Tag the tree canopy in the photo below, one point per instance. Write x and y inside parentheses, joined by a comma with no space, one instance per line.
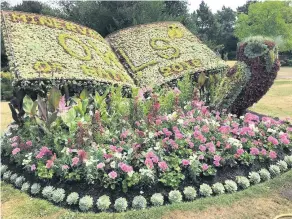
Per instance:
(269,18)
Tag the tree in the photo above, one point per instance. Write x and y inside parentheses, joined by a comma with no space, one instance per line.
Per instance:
(244,8)
(226,18)
(270,18)
(207,25)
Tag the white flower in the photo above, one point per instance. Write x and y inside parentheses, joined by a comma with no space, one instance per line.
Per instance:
(271,130)
(180,121)
(113,164)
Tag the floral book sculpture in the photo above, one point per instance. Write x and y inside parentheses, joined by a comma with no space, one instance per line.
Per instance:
(101,123)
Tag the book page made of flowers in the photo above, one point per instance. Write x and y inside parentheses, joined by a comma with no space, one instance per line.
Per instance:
(157,53)
(42,47)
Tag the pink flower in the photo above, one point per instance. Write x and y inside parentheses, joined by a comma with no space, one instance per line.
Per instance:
(273,155)
(82,155)
(162,165)
(254,151)
(125,134)
(14,144)
(176,91)
(240,151)
(15,151)
(185,162)
(273,140)
(100,165)
(62,105)
(167,132)
(217,158)
(264,152)
(205,129)
(205,167)
(155,159)
(285,140)
(243,140)
(201,157)
(158,122)
(44,151)
(224,129)
(65,167)
(75,161)
(125,167)
(148,162)
(49,164)
(33,167)
(29,143)
(202,148)
(15,138)
(113,174)
(218,143)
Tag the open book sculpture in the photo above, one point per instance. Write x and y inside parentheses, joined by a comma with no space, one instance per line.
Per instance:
(46,49)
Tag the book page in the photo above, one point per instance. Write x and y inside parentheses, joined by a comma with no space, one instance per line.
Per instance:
(42,47)
(158,53)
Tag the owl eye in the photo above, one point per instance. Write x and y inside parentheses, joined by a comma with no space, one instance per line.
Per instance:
(176,27)
(170,27)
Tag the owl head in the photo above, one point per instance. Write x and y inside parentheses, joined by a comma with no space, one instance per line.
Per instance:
(174,31)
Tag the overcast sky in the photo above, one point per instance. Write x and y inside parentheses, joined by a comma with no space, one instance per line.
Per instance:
(194,4)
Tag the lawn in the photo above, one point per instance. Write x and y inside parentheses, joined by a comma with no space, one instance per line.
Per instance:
(266,200)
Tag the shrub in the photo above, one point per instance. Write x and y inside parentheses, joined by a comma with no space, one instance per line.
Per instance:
(274,170)
(230,186)
(288,160)
(6,85)
(218,188)
(205,190)
(25,186)
(103,203)
(265,174)
(157,199)
(254,177)
(72,199)
(175,196)
(6,175)
(13,178)
(85,203)
(282,165)
(242,182)
(139,202)
(121,204)
(3,169)
(190,193)
(35,188)
(19,181)
(58,195)
(48,192)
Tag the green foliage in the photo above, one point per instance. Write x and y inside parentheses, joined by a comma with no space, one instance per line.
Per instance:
(254,177)
(121,204)
(103,203)
(25,186)
(175,196)
(205,190)
(172,178)
(230,186)
(230,86)
(282,165)
(255,49)
(3,169)
(6,175)
(72,198)
(13,178)
(48,192)
(58,195)
(35,188)
(265,174)
(6,85)
(242,182)
(288,160)
(19,181)
(157,199)
(139,202)
(268,18)
(190,193)
(274,170)
(85,203)
(218,188)
(130,181)
(43,172)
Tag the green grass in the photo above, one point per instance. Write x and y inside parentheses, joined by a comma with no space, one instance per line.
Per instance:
(16,204)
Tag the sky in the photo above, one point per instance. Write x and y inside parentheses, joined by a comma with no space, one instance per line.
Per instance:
(193,4)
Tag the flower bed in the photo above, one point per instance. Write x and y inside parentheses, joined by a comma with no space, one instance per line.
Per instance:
(164,142)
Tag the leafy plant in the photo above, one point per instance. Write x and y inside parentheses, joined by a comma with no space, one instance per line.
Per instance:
(121,204)
(85,203)
(139,202)
(175,196)
(157,199)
